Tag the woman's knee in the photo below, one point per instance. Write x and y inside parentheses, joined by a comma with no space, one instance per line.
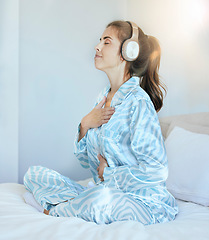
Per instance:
(29,175)
(115,205)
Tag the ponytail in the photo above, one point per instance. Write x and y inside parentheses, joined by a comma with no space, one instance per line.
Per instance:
(150,80)
(146,66)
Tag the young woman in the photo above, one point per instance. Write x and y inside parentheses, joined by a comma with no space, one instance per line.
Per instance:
(120,141)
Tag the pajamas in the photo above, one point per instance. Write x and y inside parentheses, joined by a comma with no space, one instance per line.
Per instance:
(100,204)
(134,183)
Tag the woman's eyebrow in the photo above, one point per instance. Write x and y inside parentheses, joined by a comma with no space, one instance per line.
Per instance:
(105,38)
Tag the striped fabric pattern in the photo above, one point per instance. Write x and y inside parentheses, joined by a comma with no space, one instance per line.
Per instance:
(101,204)
(134,183)
(133,146)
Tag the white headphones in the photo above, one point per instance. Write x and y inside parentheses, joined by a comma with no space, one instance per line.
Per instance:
(130,47)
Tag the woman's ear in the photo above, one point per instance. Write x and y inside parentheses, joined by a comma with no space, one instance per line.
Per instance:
(121,58)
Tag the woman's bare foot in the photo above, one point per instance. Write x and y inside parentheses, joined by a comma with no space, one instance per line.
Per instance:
(46,212)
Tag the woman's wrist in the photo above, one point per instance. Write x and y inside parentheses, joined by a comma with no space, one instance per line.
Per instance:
(84,124)
(83,130)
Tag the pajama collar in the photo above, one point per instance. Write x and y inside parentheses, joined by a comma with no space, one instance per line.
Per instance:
(122,92)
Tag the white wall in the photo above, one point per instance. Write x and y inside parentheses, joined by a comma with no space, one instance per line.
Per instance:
(9,56)
(182,28)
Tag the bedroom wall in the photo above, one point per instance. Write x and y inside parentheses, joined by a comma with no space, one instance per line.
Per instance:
(9,60)
(182,28)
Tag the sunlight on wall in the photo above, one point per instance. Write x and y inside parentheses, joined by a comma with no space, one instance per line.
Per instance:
(194,14)
(182,28)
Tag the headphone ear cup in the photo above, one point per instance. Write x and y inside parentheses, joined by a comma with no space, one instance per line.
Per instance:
(130,50)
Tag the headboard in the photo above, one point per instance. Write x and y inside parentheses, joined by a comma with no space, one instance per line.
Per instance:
(201,119)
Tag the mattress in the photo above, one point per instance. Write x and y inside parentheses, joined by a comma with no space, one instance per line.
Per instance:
(21,221)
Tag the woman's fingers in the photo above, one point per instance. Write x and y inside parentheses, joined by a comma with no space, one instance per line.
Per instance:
(107,117)
(111,109)
(105,121)
(100,104)
(99,115)
(107,114)
(108,110)
(99,174)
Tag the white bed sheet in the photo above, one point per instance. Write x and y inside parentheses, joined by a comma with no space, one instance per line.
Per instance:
(21,221)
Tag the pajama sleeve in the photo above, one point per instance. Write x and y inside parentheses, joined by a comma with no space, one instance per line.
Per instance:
(80,149)
(147,146)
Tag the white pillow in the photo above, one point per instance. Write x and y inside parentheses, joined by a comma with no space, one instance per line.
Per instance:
(188,162)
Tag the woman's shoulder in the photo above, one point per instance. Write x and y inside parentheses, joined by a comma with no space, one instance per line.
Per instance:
(141,100)
(138,94)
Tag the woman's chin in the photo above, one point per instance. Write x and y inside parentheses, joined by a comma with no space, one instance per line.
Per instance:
(98,67)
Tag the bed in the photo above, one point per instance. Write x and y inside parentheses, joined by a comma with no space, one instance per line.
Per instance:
(186,137)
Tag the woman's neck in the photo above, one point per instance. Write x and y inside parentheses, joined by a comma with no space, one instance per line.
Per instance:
(116,80)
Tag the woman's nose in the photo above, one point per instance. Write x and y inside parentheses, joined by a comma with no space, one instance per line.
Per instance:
(97,47)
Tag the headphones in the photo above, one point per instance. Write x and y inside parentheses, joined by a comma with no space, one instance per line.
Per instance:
(130,47)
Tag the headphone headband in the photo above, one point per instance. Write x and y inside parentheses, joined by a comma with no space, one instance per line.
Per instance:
(135,31)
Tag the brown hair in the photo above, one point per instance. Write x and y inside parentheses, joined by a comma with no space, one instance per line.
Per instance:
(146,66)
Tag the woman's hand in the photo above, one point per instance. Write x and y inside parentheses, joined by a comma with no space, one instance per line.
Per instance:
(98,116)
(102,165)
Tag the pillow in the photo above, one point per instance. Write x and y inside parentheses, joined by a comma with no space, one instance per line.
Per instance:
(188,126)
(164,128)
(188,162)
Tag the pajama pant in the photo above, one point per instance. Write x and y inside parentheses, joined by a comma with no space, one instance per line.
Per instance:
(99,204)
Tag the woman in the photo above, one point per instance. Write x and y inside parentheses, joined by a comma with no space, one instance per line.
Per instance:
(120,141)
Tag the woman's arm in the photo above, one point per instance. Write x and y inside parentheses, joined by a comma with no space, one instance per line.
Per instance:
(80,147)
(83,131)
(94,119)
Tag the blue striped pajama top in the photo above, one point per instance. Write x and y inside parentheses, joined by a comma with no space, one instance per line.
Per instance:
(133,146)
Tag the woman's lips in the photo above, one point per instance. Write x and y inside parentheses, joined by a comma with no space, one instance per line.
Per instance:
(97,56)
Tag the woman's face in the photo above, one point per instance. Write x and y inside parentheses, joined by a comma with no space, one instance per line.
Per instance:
(108,55)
